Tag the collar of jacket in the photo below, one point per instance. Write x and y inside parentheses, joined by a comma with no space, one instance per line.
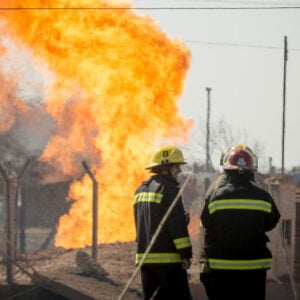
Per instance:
(161,177)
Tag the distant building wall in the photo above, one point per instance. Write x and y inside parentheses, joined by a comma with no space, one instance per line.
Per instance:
(282,237)
(297,238)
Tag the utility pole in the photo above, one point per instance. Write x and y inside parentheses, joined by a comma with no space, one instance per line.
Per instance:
(284,104)
(207,165)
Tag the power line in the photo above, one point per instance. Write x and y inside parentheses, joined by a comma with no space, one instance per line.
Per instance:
(239,2)
(221,8)
(232,44)
(237,45)
(154,8)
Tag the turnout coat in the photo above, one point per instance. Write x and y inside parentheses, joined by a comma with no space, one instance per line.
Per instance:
(236,218)
(151,201)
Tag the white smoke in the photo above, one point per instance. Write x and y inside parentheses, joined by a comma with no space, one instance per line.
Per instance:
(32,126)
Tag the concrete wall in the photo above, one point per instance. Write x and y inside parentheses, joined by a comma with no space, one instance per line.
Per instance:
(283,191)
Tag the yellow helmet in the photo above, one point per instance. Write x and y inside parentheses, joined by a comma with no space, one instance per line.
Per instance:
(242,147)
(166,155)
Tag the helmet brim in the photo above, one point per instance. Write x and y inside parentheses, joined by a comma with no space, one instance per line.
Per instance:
(231,167)
(165,164)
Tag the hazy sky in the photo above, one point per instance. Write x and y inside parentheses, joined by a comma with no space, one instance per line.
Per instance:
(238,53)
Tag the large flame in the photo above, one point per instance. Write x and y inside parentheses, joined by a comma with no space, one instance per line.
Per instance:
(116,80)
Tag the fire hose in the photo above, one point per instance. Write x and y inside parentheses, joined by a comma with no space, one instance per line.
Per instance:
(154,237)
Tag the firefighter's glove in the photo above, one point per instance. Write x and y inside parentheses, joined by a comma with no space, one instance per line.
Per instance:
(204,267)
(204,271)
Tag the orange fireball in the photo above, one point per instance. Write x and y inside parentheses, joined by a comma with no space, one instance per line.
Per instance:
(114,92)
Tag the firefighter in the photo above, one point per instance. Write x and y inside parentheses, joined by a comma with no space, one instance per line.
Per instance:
(217,183)
(236,217)
(164,270)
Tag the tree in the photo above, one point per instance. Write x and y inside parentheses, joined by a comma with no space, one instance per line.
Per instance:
(222,137)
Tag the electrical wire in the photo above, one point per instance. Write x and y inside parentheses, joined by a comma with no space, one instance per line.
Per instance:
(237,45)
(154,8)
(239,2)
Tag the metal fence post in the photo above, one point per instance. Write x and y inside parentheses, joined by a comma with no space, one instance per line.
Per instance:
(11,219)
(95,211)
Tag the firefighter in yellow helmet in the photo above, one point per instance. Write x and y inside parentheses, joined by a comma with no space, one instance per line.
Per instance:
(164,270)
(236,217)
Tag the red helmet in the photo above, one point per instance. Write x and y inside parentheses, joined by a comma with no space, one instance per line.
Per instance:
(239,159)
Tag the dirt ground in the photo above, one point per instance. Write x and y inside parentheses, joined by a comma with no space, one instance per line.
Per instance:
(59,265)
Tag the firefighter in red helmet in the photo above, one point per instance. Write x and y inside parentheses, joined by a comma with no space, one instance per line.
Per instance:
(235,218)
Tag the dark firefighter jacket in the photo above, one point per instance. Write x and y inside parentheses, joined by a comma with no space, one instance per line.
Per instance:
(151,202)
(235,218)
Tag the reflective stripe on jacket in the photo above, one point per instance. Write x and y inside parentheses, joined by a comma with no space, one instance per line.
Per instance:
(243,204)
(158,258)
(250,264)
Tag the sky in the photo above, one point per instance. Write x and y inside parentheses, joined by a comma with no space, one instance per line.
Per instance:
(239,54)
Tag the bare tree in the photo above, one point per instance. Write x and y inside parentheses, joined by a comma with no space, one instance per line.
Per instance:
(222,137)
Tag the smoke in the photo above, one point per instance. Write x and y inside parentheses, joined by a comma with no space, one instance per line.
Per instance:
(25,125)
